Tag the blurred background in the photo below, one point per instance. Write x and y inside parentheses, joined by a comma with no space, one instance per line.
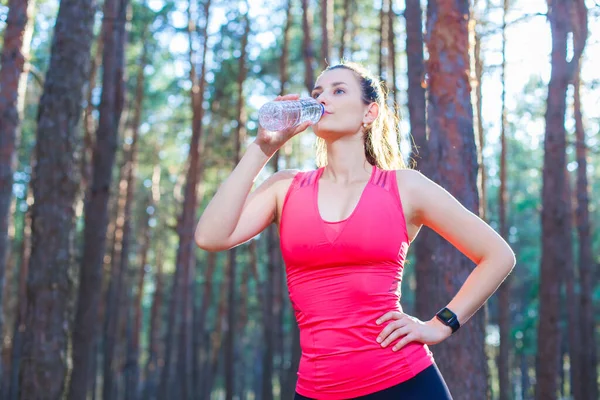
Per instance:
(120,119)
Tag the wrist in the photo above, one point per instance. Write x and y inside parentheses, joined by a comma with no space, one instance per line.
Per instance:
(267,149)
(441,326)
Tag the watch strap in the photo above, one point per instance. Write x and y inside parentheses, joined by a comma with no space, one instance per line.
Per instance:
(448,318)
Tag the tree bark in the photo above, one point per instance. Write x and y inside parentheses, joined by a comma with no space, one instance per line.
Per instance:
(185,254)
(391,41)
(586,345)
(413,14)
(201,323)
(453,152)
(383,36)
(89,124)
(554,210)
(12,62)
(326,32)
(307,50)
(239,138)
(504,301)
(344,32)
(480,129)
(572,300)
(55,185)
(19,326)
(96,208)
(131,370)
(154,355)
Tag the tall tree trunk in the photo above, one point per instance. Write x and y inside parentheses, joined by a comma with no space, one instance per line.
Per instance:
(19,327)
(586,345)
(185,253)
(572,300)
(89,125)
(383,36)
(270,313)
(55,184)
(504,365)
(413,15)
(132,365)
(114,277)
(131,368)
(345,32)
(120,262)
(13,296)
(154,356)
(307,49)
(201,323)
(170,345)
(118,270)
(12,61)
(239,137)
(245,372)
(554,210)
(326,32)
(96,207)
(216,336)
(480,130)
(453,152)
(391,41)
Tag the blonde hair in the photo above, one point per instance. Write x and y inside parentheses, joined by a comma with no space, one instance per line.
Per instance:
(382,136)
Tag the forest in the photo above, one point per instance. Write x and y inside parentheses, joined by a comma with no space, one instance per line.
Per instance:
(120,119)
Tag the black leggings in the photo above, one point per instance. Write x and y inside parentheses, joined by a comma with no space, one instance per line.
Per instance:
(426,385)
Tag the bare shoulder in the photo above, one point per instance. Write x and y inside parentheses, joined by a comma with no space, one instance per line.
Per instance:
(410,184)
(283,178)
(282,181)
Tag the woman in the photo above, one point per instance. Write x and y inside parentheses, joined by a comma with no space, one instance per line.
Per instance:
(345,229)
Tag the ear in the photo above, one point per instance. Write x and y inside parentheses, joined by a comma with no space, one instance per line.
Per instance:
(371,114)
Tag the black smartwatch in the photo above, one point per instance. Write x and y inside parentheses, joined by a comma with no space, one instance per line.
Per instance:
(448,318)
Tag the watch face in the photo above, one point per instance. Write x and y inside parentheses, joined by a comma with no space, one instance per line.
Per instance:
(446,314)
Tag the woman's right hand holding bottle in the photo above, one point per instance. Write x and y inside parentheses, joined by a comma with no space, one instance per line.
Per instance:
(269,141)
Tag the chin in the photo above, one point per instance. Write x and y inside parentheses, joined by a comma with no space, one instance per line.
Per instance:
(324,131)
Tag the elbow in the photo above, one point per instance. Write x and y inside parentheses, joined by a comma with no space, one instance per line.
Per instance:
(508,259)
(206,244)
(209,244)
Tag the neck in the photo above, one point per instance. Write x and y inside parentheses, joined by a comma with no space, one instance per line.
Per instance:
(346,160)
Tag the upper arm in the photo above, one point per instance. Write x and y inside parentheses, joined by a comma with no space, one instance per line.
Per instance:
(258,212)
(432,206)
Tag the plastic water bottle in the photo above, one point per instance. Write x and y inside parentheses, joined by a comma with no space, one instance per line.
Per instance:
(280,115)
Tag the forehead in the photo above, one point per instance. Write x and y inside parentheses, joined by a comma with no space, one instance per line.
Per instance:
(347,76)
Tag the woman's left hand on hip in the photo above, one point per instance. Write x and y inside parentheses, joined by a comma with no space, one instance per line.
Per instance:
(410,329)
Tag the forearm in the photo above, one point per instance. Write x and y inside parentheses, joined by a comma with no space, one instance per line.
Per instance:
(481,283)
(222,214)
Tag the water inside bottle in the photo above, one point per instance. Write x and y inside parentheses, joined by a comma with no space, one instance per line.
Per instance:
(279,115)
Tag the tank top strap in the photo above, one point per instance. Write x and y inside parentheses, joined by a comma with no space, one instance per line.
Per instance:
(383,178)
(309,178)
(301,179)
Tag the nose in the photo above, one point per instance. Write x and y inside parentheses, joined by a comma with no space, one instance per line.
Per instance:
(322,99)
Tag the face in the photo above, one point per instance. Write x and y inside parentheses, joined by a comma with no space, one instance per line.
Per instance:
(340,93)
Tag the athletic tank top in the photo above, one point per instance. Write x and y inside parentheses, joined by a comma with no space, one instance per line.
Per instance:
(341,277)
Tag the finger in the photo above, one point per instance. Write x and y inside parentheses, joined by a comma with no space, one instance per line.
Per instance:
(402,331)
(391,327)
(389,315)
(291,96)
(302,127)
(411,337)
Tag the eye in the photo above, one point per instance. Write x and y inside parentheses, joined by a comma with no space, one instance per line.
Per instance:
(339,90)
(315,95)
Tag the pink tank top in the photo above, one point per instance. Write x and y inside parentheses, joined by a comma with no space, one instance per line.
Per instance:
(341,277)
